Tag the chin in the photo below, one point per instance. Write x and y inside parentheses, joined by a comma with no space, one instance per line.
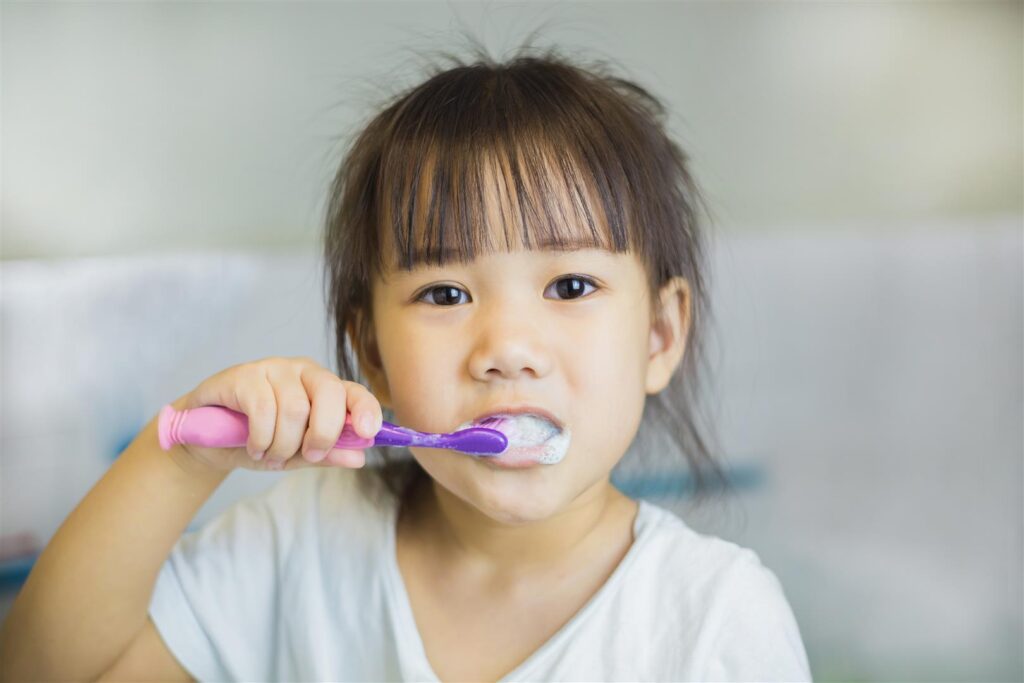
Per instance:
(512,502)
(513,515)
(510,496)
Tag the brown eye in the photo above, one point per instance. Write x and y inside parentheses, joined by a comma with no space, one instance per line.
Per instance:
(442,295)
(573,287)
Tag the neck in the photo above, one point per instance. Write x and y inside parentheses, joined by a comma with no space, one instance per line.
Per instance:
(469,537)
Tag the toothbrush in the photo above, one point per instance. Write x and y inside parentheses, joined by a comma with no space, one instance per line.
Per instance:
(221,427)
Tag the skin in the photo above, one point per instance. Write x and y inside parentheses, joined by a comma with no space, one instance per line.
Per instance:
(486,550)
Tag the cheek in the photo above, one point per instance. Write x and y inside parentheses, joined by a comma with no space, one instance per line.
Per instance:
(608,385)
(611,359)
(420,378)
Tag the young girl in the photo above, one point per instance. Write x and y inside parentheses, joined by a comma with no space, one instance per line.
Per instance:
(515,240)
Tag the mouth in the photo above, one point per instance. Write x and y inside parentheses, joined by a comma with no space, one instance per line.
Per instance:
(534,411)
(535,436)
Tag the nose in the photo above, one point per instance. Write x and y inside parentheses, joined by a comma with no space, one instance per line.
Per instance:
(510,344)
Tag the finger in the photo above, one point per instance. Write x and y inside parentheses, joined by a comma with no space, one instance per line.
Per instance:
(346,457)
(365,409)
(243,388)
(260,404)
(256,399)
(219,389)
(327,412)
(292,415)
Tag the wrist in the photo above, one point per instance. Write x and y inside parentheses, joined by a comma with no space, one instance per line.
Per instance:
(189,469)
(194,468)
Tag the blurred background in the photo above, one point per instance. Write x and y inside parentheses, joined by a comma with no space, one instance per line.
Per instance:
(164,171)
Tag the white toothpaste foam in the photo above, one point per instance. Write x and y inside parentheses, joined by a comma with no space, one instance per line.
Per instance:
(530,430)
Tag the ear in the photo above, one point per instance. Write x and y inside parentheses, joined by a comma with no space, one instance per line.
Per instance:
(670,329)
(368,356)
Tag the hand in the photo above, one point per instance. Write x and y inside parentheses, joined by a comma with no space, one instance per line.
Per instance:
(296,410)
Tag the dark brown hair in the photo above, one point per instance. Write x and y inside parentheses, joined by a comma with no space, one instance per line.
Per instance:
(542,127)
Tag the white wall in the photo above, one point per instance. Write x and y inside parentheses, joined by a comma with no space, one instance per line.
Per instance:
(129,127)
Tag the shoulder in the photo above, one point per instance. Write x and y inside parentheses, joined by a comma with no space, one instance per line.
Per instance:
(706,562)
(704,568)
(720,597)
(303,543)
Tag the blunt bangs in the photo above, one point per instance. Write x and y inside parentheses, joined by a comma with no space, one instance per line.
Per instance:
(491,168)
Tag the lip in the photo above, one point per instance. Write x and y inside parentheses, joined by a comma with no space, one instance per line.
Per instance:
(504,462)
(521,410)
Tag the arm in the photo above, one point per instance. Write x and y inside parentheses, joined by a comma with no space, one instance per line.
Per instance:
(85,601)
(82,613)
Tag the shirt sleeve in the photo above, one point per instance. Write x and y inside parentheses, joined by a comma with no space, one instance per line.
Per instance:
(758,637)
(216,596)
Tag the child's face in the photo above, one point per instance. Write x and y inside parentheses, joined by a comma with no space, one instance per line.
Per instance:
(511,334)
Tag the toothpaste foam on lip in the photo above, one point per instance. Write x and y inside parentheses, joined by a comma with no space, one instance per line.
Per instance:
(530,431)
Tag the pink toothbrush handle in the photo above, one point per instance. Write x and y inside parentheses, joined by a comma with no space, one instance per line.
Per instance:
(220,427)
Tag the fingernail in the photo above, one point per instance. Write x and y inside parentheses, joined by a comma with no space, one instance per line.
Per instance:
(366,424)
(315,455)
(258,455)
(275,464)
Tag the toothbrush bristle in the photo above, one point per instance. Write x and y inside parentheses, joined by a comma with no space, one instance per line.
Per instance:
(480,440)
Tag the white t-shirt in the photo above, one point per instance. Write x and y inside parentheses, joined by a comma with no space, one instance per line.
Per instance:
(301,583)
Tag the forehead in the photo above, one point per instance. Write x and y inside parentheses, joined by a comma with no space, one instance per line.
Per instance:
(452,207)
